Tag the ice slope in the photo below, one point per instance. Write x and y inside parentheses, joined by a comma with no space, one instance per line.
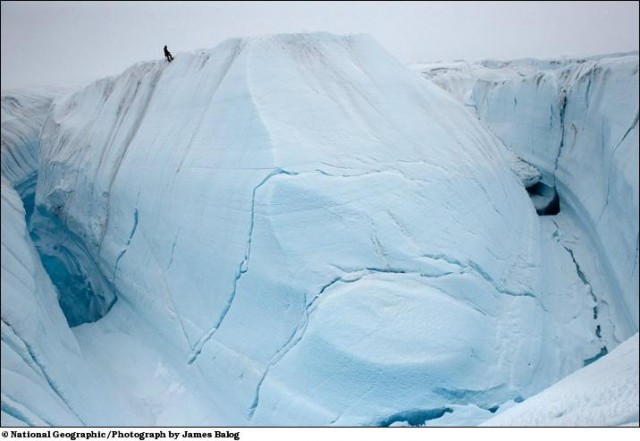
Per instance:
(297,229)
(604,393)
(577,122)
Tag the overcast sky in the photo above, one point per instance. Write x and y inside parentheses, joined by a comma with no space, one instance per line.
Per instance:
(73,43)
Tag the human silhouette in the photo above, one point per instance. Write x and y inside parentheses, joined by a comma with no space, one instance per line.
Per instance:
(167,54)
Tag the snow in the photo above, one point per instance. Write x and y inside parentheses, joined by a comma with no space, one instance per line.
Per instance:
(297,230)
(604,393)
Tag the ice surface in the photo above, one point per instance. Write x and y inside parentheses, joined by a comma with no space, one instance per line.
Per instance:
(602,394)
(298,230)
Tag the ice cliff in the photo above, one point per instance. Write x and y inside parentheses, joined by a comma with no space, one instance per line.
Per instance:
(299,230)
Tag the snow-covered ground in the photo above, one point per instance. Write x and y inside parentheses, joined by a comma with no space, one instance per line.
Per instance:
(604,393)
(299,230)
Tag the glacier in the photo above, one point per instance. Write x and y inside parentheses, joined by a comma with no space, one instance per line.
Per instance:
(300,230)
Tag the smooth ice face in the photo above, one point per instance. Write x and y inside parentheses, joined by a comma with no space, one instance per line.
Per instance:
(298,230)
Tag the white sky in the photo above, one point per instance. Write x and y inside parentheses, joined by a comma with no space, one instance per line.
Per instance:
(73,43)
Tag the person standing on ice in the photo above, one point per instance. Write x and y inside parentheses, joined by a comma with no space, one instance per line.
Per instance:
(167,54)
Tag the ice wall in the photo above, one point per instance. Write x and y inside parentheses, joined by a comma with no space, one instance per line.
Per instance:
(577,122)
(23,115)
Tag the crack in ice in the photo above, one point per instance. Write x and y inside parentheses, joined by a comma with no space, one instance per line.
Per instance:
(21,412)
(243,267)
(126,245)
(41,368)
